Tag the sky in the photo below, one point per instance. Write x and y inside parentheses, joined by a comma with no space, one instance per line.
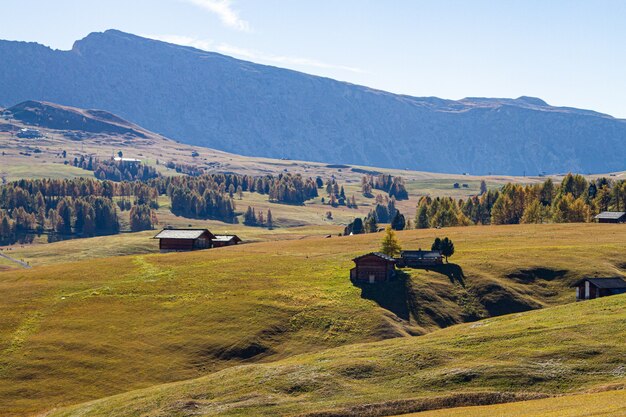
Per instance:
(567,52)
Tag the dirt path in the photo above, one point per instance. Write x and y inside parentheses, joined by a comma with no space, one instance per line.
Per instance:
(21,263)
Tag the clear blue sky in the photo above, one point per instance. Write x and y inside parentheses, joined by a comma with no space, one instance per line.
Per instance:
(568,52)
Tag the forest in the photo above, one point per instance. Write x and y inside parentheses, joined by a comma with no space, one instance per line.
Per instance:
(79,207)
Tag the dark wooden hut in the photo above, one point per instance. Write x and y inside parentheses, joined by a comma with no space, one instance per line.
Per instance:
(373,268)
(611,217)
(590,288)
(225,240)
(419,258)
(181,240)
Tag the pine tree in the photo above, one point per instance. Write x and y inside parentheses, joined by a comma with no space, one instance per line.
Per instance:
(398,222)
(390,245)
(270,220)
(421,219)
(371,225)
(483,187)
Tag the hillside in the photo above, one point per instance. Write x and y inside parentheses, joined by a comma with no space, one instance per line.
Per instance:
(208,99)
(79,331)
(561,350)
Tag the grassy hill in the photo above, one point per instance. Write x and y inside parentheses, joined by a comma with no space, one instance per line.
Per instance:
(603,404)
(561,350)
(74,332)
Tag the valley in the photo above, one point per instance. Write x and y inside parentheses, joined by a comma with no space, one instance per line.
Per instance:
(76,329)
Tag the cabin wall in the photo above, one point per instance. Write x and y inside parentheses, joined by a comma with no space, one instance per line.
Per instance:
(176,244)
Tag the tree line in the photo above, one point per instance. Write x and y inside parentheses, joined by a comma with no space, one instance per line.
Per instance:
(574,200)
(70,207)
(112,170)
(393,186)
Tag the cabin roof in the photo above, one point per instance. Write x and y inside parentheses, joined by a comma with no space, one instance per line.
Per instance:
(420,254)
(378,254)
(182,233)
(611,215)
(607,283)
(225,238)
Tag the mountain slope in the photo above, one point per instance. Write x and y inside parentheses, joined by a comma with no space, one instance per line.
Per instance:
(78,331)
(213,100)
(561,350)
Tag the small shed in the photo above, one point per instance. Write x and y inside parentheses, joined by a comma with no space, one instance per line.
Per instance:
(374,267)
(590,288)
(225,240)
(419,258)
(611,217)
(181,240)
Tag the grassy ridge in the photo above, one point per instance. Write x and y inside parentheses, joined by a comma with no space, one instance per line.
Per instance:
(559,350)
(603,404)
(79,331)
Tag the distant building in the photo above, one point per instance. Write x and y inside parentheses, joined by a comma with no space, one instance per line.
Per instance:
(419,258)
(29,134)
(590,288)
(225,240)
(373,268)
(129,161)
(611,217)
(181,240)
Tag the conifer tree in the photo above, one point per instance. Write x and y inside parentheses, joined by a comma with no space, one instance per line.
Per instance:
(390,245)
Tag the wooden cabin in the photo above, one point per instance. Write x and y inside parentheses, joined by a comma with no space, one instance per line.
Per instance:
(419,258)
(225,240)
(182,240)
(373,268)
(611,217)
(590,288)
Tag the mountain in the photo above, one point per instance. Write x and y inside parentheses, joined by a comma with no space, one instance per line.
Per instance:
(212,100)
(54,116)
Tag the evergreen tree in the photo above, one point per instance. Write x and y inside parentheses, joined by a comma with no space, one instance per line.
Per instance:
(436,245)
(270,220)
(483,187)
(371,225)
(398,222)
(421,218)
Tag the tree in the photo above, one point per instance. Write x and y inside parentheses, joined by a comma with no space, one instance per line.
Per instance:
(120,154)
(371,225)
(390,245)
(421,219)
(483,187)
(357,226)
(447,248)
(398,222)
(270,220)
(436,245)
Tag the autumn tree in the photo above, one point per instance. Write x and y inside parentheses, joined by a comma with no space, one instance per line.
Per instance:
(390,245)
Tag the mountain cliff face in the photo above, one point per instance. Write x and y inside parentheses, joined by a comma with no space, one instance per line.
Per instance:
(212,100)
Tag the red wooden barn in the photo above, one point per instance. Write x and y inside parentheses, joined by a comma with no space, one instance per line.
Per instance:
(180,240)
(373,268)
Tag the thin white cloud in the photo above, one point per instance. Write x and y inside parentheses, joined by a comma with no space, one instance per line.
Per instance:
(224,10)
(280,59)
(204,44)
(226,49)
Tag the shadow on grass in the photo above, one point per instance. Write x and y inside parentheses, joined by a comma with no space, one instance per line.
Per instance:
(394,295)
(453,271)
(397,295)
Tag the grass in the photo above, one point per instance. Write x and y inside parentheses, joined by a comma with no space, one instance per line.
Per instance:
(78,331)
(561,350)
(603,404)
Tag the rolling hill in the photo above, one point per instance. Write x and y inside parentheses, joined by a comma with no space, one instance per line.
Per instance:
(212,100)
(78,331)
(562,350)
